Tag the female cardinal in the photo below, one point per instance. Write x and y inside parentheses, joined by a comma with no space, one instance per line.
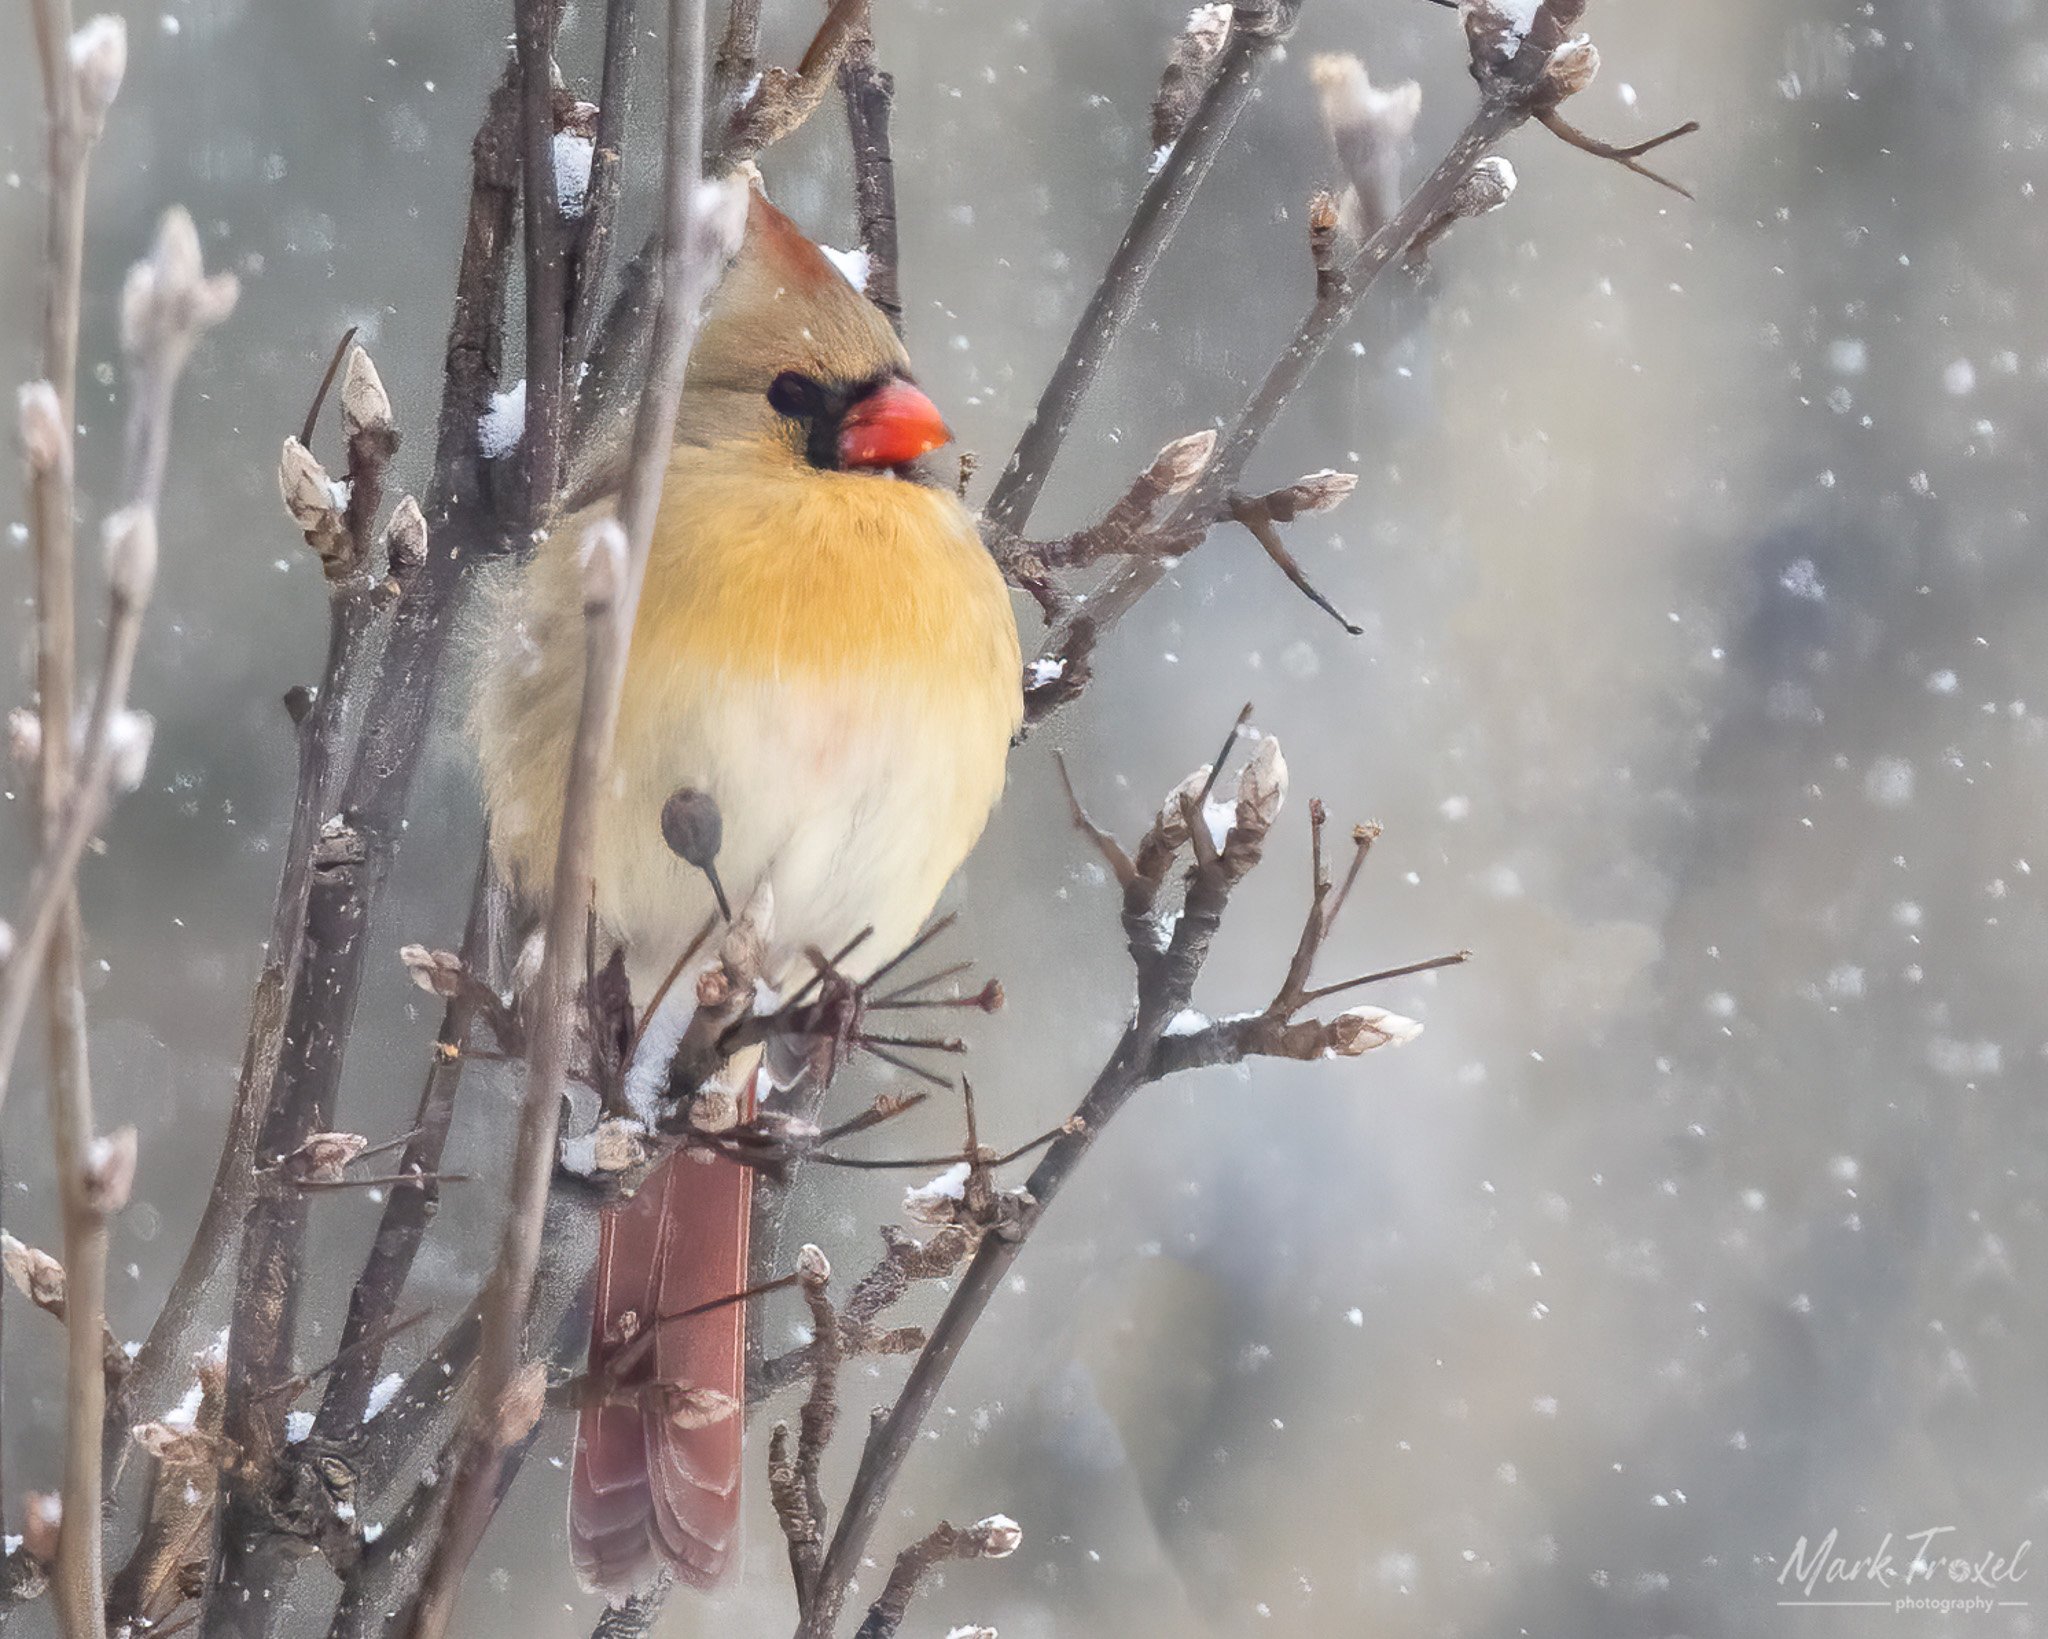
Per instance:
(824,647)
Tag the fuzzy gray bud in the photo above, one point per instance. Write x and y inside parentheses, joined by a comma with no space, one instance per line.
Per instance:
(1262,788)
(1571,68)
(999,1536)
(110,1171)
(99,59)
(130,734)
(365,406)
(128,539)
(603,558)
(43,438)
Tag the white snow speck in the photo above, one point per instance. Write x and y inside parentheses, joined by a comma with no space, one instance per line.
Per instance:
(1041,672)
(499,429)
(1848,356)
(854,265)
(573,155)
(297,1425)
(1889,782)
(1803,581)
(385,1391)
(660,1036)
(1963,1059)
(1959,380)
(1185,1023)
(950,1185)
(186,1412)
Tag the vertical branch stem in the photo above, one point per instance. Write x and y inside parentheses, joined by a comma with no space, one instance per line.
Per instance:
(869,95)
(615,568)
(69,143)
(314,993)
(1256,34)
(546,261)
(407,1212)
(601,199)
(1330,312)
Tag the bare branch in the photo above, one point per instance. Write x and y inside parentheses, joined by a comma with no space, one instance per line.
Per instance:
(1626,158)
(305,997)
(598,225)
(699,235)
(784,99)
(996,1537)
(1258,27)
(870,96)
(545,237)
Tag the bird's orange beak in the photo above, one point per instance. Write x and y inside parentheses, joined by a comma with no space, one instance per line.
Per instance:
(891,427)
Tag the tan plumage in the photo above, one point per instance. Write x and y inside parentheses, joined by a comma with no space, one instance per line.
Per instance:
(826,648)
(831,655)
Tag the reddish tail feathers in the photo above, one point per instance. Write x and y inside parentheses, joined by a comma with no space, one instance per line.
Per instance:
(649,1492)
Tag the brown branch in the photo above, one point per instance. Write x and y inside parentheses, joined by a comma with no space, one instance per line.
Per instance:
(696,242)
(1626,158)
(479,1450)
(1258,27)
(167,303)
(793,1483)
(739,51)
(1190,70)
(996,1537)
(173,1550)
(1165,987)
(870,96)
(69,137)
(785,98)
(545,239)
(1258,521)
(1529,85)
(598,226)
(1137,575)
(374,1298)
(1128,526)
(310,983)
(265,1206)
(905,1261)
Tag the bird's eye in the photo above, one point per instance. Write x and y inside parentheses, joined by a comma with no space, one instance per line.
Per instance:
(796,395)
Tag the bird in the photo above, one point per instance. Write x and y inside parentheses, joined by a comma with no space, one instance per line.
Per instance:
(826,650)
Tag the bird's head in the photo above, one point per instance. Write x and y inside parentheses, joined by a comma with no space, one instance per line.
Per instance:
(790,355)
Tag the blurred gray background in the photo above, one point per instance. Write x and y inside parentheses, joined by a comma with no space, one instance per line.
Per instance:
(1697,554)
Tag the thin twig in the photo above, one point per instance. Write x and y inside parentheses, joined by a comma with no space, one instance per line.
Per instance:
(1137,575)
(545,238)
(68,140)
(996,1537)
(1626,158)
(167,303)
(308,991)
(374,1298)
(1164,992)
(870,95)
(615,565)
(1256,34)
(599,222)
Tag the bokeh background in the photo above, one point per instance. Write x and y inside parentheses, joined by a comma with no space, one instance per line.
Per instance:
(1697,550)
